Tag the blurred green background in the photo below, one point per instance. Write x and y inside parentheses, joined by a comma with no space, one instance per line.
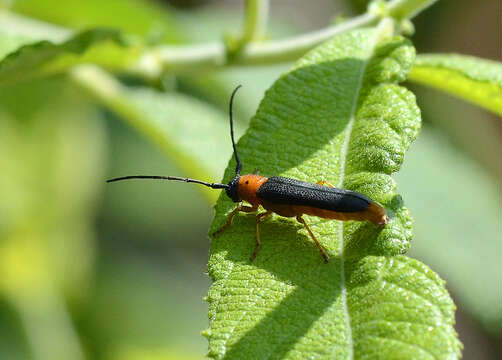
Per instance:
(96,271)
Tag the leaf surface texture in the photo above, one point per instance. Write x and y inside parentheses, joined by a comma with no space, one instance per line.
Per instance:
(339,115)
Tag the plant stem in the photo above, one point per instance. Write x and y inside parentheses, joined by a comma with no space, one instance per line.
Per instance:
(255,22)
(214,54)
(202,56)
(176,58)
(406,9)
(292,48)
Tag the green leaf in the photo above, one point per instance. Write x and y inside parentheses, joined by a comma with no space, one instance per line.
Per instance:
(457,220)
(9,43)
(473,79)
(99,46)
(144,18)
(339,115)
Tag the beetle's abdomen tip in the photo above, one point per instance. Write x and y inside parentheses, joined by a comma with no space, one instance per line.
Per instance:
(377,214)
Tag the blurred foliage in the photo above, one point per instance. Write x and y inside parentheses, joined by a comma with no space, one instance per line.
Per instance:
(136,292)
(457,210)
(181,125)
(147,19)
(52,169)
(98,46)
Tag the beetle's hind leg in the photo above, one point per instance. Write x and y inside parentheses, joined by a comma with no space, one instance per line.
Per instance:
(259,219)
(230,219)
(319,246)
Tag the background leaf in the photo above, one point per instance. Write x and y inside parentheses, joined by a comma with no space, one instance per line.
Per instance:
(338,115)
(473,79)
(147,19)
(99,46)
(178,124)
(51,174)
(9,43)
(457,229)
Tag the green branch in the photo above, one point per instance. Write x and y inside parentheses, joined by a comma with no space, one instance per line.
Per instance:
(255,22)
(215,54)
(152,62)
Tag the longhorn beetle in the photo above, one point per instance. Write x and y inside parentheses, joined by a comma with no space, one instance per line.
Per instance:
(286,197)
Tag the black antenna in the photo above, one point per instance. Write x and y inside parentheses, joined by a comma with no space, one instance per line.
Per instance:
(188,180)
(238,168)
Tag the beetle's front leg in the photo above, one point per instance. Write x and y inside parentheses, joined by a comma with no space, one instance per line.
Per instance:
(240,207)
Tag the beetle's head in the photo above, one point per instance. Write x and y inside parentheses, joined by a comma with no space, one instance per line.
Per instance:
(233,189)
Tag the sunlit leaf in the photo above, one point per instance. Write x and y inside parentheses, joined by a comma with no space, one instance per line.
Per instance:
(339,116)
(473,79)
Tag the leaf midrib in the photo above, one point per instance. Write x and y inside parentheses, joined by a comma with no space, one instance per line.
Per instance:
(343,157)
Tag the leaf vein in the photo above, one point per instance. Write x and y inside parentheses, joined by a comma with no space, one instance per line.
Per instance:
(427,301)
(416,346)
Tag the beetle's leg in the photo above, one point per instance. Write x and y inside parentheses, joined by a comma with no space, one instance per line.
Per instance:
(239,207)
(319,246)
(259,219)
(324,182)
